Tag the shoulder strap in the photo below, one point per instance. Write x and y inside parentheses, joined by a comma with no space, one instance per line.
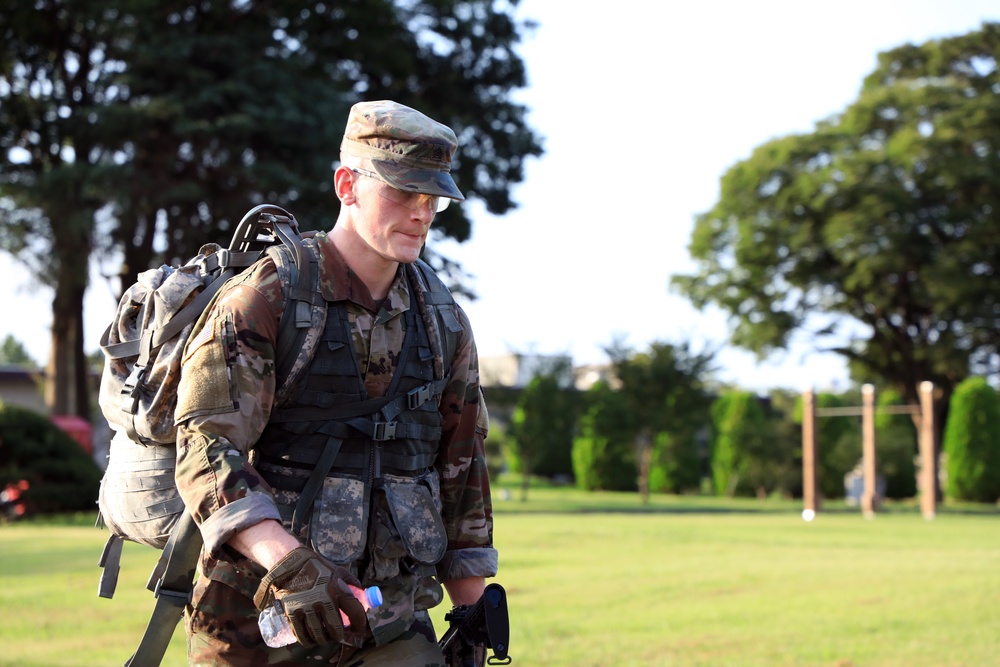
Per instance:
(436,305)
(304,313)
(172,589)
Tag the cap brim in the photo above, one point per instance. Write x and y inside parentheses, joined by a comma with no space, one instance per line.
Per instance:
(424,181)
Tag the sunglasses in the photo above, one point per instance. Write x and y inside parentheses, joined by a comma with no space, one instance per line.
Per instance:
(411,200)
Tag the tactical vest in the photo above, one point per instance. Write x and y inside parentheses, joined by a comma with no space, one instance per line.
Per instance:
(353,475)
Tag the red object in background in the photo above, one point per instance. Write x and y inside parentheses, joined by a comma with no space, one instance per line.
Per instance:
(78,429)
(10,496)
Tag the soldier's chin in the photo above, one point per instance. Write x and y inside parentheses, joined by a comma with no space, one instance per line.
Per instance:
(406,253)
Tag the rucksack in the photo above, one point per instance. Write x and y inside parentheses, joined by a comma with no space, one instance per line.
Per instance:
(143,345)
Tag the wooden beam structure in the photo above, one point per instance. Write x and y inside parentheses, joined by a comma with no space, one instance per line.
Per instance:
(928,474)
(869,497)
(810,492)
(927,482)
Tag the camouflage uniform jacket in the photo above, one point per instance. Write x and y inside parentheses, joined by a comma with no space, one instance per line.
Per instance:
(226,396)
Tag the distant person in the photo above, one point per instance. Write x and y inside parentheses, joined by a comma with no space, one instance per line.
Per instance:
(294,501)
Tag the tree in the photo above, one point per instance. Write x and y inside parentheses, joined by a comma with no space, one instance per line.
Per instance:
(664,392)
(740,437)
(142,128)
(12,353)
(677,462)
(603,452)
(54,76)
(784,464)
(769,450)
(972,442)
(883,216)
(542,426)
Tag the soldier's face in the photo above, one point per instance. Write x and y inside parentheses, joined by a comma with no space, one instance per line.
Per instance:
(395,227)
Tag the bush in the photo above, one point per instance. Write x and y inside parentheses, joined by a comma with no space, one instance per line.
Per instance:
(542,428)
(676,464)
(61,476)
(496,446)
(783,472)
(972,442)
(603,454)
(740,436)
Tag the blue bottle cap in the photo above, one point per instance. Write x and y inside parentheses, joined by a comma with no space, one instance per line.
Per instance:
(374,596)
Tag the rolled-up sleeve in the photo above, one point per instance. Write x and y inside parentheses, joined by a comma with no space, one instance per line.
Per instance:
(465,484)
(224,399)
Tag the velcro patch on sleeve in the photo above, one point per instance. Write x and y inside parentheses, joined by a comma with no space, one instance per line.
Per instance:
(205,379)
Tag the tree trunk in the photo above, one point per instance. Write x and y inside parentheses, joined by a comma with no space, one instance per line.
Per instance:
(645,446)
(67,388)
(137,232)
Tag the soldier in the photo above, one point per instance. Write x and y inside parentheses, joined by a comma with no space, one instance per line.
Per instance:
(373,473)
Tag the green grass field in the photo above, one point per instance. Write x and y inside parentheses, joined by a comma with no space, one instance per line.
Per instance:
(600,580)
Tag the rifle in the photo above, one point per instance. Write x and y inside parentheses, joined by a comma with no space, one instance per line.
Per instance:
(484,625)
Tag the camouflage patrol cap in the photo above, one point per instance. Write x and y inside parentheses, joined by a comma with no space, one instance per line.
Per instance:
(410,151)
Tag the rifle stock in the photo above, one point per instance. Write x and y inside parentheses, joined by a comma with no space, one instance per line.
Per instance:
(484,624)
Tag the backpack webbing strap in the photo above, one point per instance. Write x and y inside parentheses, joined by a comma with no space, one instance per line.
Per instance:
(172,590)
(275,231)
(305,308)
(389,406)
(434,300)
(110,564)
(315,482)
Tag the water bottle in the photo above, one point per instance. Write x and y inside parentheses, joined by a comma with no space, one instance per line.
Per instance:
(277,631)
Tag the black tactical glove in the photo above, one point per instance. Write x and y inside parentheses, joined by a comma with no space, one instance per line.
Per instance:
(312,591)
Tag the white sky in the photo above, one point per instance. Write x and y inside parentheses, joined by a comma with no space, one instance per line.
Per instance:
(643,105)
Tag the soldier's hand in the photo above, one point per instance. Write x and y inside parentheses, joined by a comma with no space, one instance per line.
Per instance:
(313,591)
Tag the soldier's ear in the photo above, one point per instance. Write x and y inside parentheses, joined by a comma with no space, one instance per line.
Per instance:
(343,183)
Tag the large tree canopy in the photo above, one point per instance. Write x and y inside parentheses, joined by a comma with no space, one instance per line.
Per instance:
(885,215)
(146,127)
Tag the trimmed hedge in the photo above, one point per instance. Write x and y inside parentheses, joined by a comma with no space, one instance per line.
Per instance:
(972,442)
(61,475)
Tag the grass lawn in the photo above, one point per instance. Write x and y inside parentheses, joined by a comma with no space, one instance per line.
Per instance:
(600,580)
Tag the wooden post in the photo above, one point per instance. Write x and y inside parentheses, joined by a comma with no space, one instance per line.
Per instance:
(928,461)
(869,499)
(810,496)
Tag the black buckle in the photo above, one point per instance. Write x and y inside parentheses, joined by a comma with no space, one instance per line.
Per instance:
(176,598)
(384,431)
(417,397)
(130,389)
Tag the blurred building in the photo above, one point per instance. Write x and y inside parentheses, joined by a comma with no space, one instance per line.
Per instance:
(515,371)
(23,387)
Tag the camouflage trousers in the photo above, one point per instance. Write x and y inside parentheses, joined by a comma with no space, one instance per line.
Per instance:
(222,631)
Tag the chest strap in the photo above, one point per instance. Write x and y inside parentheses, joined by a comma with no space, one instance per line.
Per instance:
(388,406)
